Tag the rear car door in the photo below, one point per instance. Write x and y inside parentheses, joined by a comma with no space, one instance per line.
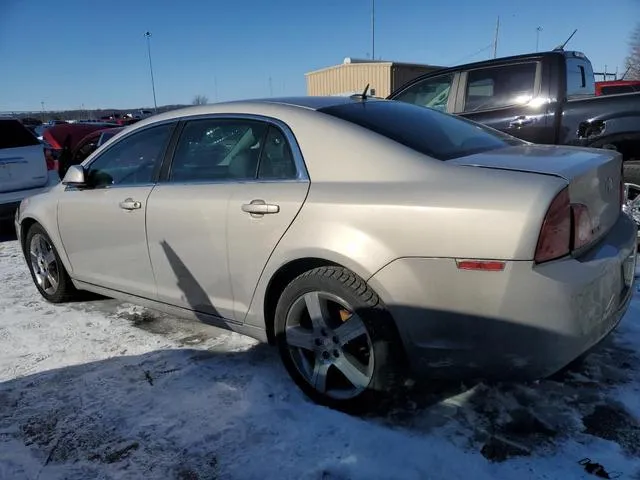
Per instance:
(506,97)
(261,211)
(103,226)
(22,161)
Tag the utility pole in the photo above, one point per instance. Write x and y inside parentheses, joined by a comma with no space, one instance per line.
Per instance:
(42,104)
(373,29)
(495,41)
(538,30)
(153,86)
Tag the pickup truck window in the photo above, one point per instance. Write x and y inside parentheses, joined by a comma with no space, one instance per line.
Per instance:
(502,86)
(580,80)
(432,92)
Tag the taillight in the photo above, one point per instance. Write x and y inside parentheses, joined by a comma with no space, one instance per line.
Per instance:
(582,231)
(566,227)
(555,236)
(51,159)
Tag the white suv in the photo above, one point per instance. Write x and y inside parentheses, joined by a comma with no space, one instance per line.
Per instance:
(24,170)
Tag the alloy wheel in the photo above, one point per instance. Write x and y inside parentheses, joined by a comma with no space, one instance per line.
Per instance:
(329,345)
(44,264)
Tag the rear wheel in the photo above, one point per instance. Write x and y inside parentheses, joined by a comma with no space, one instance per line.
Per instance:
(47,271)
(337,340)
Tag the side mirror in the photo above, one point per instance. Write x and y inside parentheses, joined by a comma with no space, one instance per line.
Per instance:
(74,177)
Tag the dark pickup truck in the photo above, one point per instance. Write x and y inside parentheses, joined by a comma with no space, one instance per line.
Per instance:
(546,97)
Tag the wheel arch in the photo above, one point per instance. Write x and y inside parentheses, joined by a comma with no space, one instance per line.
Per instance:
(278,282)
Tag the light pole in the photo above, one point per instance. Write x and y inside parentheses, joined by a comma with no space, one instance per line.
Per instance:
(538,30)
(373,29)
(42,104)
(153,86)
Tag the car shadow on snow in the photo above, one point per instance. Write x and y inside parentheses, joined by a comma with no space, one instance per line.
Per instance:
(197,413)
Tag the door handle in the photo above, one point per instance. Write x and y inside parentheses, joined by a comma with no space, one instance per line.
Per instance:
(130,204)
(260,207)
(520,121)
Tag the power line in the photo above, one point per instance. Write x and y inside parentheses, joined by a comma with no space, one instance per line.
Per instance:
(474,54)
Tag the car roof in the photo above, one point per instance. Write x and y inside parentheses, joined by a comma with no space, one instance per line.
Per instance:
(254,106)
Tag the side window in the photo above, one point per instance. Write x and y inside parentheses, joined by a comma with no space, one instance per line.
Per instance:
(132,160)
(218,149)
(431,92)
(276,160)
(580,79)
(497,87)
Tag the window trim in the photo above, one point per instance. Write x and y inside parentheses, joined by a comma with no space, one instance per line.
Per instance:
(464,78)
(302,174)
(86,164)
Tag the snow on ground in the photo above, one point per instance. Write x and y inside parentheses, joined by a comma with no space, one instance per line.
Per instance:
(105,390)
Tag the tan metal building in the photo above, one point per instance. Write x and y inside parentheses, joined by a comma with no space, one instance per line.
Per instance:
(353,75)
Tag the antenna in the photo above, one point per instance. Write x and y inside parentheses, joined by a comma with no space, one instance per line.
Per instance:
(363,95)
(561,47)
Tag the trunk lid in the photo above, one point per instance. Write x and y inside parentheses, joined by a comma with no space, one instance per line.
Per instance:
(593,175)
(22,161)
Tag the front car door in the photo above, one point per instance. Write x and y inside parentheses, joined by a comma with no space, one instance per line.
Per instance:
(103,226)
(508,98)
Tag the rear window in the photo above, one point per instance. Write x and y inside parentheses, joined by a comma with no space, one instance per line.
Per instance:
(428,131)
(13,134)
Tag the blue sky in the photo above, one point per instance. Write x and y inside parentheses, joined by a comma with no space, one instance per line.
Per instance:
(69,53)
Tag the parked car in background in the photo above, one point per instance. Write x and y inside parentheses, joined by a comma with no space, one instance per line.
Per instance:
(614,87)
(338,228)
(545,97)
(85,147)
(24,170)
(61,141)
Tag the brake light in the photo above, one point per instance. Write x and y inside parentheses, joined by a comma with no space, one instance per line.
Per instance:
(50,158)
(582,231)
(555,236)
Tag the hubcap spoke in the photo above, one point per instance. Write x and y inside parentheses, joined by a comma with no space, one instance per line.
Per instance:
(53,282)
(351,371)
(319,376)
(317,310)
(49,258)
(350,330)
(300,337)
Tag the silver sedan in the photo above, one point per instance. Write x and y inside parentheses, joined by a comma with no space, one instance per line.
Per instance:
(370,240)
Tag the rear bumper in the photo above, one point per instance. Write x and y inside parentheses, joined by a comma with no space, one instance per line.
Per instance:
(525,322)
(9,201)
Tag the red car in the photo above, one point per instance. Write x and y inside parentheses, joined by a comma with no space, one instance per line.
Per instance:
(70,143)
(611,87)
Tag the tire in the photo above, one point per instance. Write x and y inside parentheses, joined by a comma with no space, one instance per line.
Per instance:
(45,267)
(371,341)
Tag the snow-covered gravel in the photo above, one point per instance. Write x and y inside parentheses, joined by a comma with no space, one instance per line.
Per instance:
(105,390)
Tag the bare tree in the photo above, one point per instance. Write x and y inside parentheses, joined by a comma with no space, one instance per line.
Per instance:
(200,100)
(633,59)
